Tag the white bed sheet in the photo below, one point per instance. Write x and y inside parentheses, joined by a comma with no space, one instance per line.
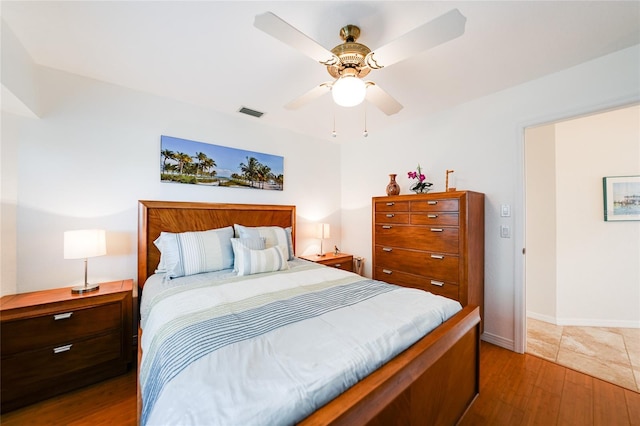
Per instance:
(282,376)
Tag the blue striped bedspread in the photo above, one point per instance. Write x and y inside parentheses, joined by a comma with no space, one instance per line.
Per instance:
(272,348)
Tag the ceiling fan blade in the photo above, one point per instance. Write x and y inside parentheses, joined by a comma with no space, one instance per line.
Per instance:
(381,99)
(440,30)
(281,30)
(311,95)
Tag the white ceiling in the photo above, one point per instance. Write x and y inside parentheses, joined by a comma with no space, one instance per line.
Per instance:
(209,53)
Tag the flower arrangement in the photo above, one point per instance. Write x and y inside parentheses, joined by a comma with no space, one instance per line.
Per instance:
(421,186)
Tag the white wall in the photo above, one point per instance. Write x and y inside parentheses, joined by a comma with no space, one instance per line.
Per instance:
(483,141)
(541,228)
(95,151)
(584,271)
(598,261)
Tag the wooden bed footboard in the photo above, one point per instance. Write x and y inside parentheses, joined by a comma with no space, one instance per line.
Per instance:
(433,382)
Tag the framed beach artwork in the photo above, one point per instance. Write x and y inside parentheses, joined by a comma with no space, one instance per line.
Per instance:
(621,198)
(199,163)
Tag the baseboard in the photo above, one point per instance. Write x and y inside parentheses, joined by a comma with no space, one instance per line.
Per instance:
(584,322)
(498,341)
(587,322)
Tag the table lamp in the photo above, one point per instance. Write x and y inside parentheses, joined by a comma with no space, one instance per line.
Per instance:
(82,244)
(323,231)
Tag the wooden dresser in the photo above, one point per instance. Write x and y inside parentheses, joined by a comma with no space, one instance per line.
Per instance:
(432,241)
(53,341)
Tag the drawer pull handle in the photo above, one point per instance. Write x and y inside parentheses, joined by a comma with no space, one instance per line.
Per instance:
(432,216)
(60,349)
(438,283)
(337,265)
(391,203)
(66,315)
(387,249)
(390,215)
(437,256)
(432,203)
(387,271)
(436,230)
(386,227)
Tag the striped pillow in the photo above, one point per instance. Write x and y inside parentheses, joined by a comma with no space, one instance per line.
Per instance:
(248,262)
(190,253)
(273,235)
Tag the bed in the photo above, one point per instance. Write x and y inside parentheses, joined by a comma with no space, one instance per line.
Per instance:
(432,381)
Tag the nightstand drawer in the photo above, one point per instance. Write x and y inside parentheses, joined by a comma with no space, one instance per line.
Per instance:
(344,264)
(59,327)
(25,372)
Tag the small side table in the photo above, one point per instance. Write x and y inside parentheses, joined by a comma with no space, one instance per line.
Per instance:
(54,341)
(342,261)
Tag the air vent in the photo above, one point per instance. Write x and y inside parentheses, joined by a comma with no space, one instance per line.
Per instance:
(251,112)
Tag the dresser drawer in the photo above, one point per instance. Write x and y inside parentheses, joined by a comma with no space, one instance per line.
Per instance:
(63,326)
(392,206)
(435,218)
(439,266)
(442,205)
(392,218)
(441,288)
(431,238)
(22,373)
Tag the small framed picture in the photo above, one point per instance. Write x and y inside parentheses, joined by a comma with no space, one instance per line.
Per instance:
(621,198)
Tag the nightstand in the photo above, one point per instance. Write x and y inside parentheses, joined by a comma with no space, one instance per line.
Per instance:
(53,341)
(341,260)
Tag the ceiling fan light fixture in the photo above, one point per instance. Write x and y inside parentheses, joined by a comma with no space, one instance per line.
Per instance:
(348,91)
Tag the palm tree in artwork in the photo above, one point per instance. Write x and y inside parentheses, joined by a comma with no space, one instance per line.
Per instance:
(250,170)
(203,161)
(279,180)
(209,164)
(264,174)
(167,155)
(182,159)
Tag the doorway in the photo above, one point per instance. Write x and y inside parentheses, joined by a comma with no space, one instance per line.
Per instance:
(582,274)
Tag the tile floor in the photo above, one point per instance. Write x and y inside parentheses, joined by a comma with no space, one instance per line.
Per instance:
(611,354)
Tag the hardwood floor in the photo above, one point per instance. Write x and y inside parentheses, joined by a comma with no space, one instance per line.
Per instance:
(112,402)
(526,390)
(515,390)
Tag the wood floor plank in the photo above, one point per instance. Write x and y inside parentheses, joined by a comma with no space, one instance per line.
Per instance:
(609,404)
(577,400)
(633,406)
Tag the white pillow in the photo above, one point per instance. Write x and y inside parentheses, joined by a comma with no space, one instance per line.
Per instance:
(248,262)
(250,243)
(273,235)
(190,253)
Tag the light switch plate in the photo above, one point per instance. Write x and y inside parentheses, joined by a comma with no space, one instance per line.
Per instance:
(505,210)
(505,231)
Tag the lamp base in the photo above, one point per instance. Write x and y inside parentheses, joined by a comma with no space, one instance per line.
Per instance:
(85,288)
(321,254)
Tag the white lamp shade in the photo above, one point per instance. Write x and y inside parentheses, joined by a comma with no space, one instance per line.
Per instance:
(323,231)
(348,91)
(84,243)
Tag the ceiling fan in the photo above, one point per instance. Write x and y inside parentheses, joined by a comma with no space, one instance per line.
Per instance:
(348,63)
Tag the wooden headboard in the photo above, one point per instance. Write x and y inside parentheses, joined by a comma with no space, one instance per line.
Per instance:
(173,216)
